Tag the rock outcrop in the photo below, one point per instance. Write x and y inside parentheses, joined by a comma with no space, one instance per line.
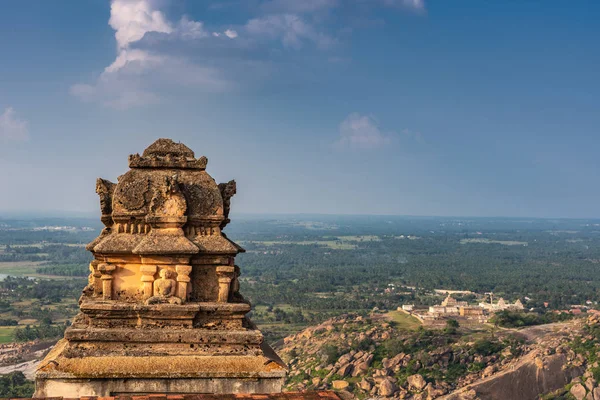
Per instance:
(517,365)
(525,380)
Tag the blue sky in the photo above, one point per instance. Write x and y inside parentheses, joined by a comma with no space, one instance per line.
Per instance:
(412,107)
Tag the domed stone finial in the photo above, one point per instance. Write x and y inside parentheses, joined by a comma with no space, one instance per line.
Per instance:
(164,147)
(165,153)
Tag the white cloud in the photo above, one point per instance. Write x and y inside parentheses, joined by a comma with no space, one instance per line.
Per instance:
(291,29)
(13,128)
(153,56)
(189,29)
(136,76)
(132,19)
(231,34)
(361,132)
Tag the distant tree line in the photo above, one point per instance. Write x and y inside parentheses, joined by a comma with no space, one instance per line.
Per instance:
(513,319)
(42,331)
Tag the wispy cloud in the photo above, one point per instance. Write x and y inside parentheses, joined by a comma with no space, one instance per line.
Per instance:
(295,21)
(319,6)
(299,6)
(291,29)
(311,6)
(413,135)
(13,128)
(361,132)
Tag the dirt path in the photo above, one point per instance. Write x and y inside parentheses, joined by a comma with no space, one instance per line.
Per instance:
(29,357)
(28,368)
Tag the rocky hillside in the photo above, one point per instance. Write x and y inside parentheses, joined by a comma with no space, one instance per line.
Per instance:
(372,357)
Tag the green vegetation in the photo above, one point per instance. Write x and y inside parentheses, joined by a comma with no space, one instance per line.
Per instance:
(43,331)
(19,268)
(487,347)
(46,305)
(6,334)
(489,241)
(424,347)
(301,271)
(422,340)
(452,326)
(332,244)
(319,281)
(16,385)
(55,259)
(514,319)
(331,352)
(589,345)
(403,320)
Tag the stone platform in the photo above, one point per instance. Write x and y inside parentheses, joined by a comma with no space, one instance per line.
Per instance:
(121,348)
(151,361)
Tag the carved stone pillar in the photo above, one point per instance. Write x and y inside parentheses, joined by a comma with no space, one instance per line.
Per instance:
(94,287)
(234,290)
(106,271)
(183,281)
(225,275)
(96,278)
(148,272)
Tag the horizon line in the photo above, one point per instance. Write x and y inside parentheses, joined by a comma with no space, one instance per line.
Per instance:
(92,214)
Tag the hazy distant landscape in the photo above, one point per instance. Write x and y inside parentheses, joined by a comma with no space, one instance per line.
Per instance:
(323,282)
(301,270)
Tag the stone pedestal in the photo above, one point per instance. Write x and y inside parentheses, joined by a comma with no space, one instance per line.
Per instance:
(125,349)
(162,312)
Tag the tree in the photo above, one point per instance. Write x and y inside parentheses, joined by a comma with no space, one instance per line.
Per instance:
(451,326)
(331,353)
(15,385)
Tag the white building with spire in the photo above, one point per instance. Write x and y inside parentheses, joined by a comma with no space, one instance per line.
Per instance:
(501,305)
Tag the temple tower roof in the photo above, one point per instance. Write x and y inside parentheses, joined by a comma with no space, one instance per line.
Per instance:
(166,188)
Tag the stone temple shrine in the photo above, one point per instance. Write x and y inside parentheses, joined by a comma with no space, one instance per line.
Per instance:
(162,312)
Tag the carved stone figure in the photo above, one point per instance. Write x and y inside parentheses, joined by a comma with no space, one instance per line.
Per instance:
(105,189)
(227,191)
(165,289)
(168,199)
(89,289)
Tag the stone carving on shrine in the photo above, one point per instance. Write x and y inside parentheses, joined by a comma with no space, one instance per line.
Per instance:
(162,311)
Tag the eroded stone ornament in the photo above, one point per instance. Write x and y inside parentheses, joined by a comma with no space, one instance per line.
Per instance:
(162,311)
